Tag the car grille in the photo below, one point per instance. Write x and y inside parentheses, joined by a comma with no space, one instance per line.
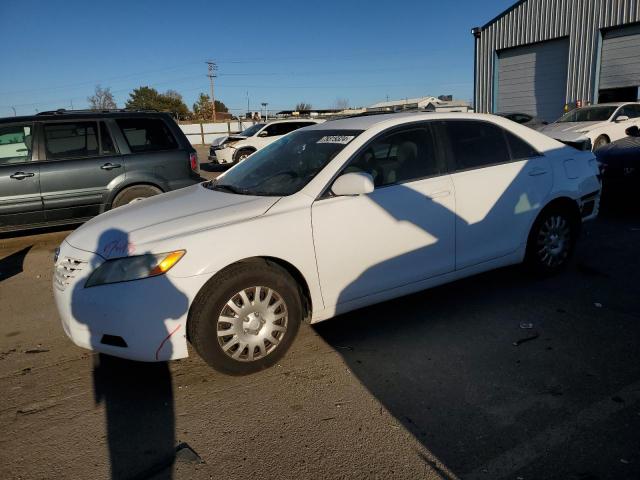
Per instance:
(66,270)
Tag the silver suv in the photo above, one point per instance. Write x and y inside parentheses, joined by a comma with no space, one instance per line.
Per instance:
(63,166)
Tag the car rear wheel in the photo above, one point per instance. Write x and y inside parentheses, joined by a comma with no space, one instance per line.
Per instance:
(134,194)
(245,318)
(600,142)
(552,240)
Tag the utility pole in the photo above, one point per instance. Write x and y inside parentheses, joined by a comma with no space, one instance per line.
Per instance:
(212,74)
(248,109)
(266,114)
(71,103)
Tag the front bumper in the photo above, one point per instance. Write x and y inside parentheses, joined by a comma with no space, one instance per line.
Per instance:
(223,155)
(140,320)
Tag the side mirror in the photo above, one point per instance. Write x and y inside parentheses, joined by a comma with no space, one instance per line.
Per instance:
(355,183)
(263,133)
(633,131)
(621,118)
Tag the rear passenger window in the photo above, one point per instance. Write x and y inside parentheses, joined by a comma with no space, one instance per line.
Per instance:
(147,134)
(398,157)
(71,140)
(519,148)
(476,144)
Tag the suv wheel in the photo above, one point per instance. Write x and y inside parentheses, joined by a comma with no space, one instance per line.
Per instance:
(242,154)
(133,194)
(245,318)
(552,240)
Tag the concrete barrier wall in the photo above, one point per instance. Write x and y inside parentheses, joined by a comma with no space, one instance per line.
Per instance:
(199,133)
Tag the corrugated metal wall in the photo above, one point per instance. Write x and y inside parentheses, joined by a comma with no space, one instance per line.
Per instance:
(538,20)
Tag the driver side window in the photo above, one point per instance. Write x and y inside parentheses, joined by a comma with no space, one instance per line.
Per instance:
(400,156)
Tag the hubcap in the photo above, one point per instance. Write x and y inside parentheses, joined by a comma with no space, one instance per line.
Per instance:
(553,241)
(252,323)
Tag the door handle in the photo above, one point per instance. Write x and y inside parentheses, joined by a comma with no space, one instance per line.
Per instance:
(439,193)
(21,175)
(110,166)
(537,171)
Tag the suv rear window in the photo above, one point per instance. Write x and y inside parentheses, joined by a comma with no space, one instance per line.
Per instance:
(71,140)
(147,134)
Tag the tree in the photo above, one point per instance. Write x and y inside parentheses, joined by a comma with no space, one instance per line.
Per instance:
(102,99)
(303,106)
(341,104)
(147,98)
(202,108)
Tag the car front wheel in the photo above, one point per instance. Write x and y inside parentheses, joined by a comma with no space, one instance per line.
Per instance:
(246,317)
(600,142)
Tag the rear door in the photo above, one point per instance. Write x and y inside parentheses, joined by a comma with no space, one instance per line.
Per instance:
(81,165)
(20,202)
(501,183)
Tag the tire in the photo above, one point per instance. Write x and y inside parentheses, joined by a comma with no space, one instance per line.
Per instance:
(133,194)
(552,240)
(600,142)
(249,345)
(241,154)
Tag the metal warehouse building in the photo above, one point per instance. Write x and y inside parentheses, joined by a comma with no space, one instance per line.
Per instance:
(541,55)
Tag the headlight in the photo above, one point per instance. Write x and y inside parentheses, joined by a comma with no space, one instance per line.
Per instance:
(133,268)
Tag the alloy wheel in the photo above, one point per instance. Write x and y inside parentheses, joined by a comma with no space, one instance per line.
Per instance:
(554,241)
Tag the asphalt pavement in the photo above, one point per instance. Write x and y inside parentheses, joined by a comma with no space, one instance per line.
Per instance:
(497,376)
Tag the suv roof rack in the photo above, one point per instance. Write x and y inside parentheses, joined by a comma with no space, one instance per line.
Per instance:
(64,111)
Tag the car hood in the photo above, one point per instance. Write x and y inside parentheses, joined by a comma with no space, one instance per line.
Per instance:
(137,226)
(567,128)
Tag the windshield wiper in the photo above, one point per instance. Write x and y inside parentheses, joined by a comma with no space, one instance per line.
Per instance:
(227,188)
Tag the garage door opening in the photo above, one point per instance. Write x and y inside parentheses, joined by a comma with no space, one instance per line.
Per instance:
(624,94)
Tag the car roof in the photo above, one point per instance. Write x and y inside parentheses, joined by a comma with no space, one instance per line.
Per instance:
(364,122)
(80,115)
(289,120)
(610,104)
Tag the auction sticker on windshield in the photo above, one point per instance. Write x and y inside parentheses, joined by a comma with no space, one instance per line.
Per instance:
(341,139)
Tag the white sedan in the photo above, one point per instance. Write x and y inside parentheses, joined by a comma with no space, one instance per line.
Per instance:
(235,148)
(601,124)
(326,220)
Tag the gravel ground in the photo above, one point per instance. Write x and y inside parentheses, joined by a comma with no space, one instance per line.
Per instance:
(433,385)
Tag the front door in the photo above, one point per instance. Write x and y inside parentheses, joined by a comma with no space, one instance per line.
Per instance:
(81,164)
(20,202)
(401,233)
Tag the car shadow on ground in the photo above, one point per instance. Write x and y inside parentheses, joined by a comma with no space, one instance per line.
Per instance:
(492,373)
(13,264)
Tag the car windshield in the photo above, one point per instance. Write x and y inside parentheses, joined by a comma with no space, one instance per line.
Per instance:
(285,166)
(589,114)
(252,130)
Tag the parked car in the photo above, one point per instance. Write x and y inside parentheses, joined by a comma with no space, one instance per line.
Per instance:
(235,148)
(64,167)
(524,119)
(328,219)
(620,170)
(602,124)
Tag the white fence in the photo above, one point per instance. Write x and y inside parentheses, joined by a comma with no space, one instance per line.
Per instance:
(204,133)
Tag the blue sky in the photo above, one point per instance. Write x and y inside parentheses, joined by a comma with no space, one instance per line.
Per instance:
(280,52)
